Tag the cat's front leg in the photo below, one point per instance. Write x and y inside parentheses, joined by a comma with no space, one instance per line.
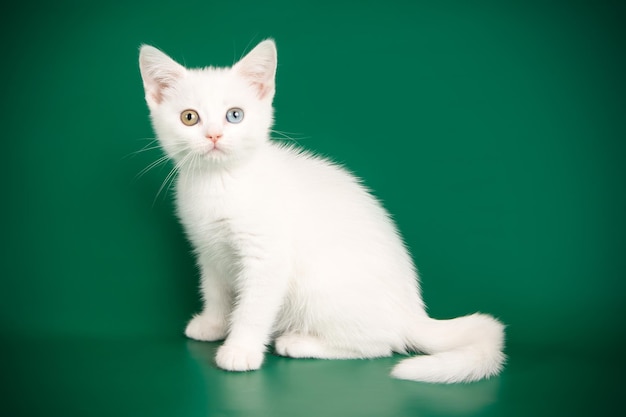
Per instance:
(211,324)
(262,285)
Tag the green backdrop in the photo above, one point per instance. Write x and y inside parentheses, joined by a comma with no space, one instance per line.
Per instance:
(493,131)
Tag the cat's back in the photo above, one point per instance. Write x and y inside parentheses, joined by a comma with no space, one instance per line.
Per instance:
(307,173)
(320,196)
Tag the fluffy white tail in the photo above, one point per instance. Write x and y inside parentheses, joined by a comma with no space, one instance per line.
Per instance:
(464,349)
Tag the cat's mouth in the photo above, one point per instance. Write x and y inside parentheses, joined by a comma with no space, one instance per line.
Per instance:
(214,152)
(214,149)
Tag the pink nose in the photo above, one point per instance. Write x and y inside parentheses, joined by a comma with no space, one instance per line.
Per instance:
(214,137)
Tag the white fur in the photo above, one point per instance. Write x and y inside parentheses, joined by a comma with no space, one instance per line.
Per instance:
(292,248)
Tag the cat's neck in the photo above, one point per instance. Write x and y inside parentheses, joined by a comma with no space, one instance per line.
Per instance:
(220,181)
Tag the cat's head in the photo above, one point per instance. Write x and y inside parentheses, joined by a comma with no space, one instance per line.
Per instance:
(213,115)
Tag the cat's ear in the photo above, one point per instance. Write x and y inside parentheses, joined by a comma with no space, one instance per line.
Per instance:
(259,68)
(158,72)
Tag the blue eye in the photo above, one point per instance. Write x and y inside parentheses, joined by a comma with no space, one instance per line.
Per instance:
(234,115)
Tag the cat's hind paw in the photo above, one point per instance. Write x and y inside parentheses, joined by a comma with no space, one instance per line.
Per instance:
(237,358)
(205,329)
(298,346)
(306,346)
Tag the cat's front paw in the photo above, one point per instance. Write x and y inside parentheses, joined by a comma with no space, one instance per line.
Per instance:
(205,329)
(238,358)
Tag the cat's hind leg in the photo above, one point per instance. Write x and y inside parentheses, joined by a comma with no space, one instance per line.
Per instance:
(296,345)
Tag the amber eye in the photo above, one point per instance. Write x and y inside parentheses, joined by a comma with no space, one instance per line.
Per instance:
(189,117)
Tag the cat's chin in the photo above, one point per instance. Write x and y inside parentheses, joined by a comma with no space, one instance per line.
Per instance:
(214,152)
(215,155)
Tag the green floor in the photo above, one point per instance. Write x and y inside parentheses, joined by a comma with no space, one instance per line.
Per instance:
(492,131)
(177,378)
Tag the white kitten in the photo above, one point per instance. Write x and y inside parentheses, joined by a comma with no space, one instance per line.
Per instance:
(291,247)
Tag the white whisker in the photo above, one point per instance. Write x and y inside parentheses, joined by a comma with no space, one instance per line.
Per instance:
(148,147)
(144,149)
(245,50)
(168,180)
(171,176)
(152,165)
(286,136)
